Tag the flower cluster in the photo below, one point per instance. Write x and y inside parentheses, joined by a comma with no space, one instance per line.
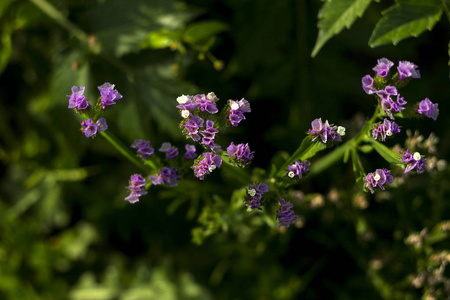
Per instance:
(385,87)
(299,168)
(201,125)
(254,195)
(190,151)
(385,129)
(143,147)
(136,187)
(428,108)
(77,99)
(240,154)
(92,124)
(286,215)
(167,176)
(413,161)
(108,94)
(378,179)
(205,164)
(326,132)
(90,128)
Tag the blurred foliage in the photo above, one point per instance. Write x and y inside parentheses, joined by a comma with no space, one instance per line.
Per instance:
(66,231)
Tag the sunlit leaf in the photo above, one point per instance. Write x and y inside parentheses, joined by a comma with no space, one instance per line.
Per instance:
(334,16)
(201,32)
(389,155)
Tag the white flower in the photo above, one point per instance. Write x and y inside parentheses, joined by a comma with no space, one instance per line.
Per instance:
(291,174)
(341,130)
(182,99)
(252,192)
(185,113)
(417,156)
(376,177)
(234,105)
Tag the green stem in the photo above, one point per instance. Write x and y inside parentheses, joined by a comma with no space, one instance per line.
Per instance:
(339,152)
(125,152)
(56,15)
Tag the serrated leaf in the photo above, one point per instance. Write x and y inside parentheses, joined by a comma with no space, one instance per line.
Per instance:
(401,21)
(334,15)
(389,155)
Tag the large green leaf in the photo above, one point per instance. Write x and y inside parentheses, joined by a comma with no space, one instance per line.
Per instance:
(403,20)
(334,16)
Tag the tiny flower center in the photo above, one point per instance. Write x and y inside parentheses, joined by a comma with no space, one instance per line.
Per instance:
(234,106)
(185,113)
(182,99)
(341,130)
(252,192)
(212,168)
(291,174)
(376,177)
(417,156)
(389,132)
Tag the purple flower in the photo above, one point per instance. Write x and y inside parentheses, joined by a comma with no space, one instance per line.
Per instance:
(387,92)
(209,134)
(378,178)
(206,163)
(389,106)
(91,129)
(254,194)
(167,176)
(205,103)
(383,66)
(367,83)
(143,148)
(387,128)
(190,152)
(298,169)
(136,187)
(77,99)
(413,161)
(324,131)
(286,215)
(108,94)
(237,110)
(171,151)
(407,69)
(241,153)
(428,108)
(192,126)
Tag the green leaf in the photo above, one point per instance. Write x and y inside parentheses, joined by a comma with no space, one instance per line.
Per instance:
(389,155)
(401,21)
(334,16)
(358,168)
(306,150)
(162,38)
(201,32)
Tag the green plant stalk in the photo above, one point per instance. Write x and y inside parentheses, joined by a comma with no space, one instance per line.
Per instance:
(56,15)
(125,152)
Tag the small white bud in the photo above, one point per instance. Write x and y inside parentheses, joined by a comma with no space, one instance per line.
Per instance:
(341,130)
(182,99)
(212,168)
(417,156)
(291,174)
(234,105)
(376,177)
(389,132)
(251,192)
(212,97)
(185,113)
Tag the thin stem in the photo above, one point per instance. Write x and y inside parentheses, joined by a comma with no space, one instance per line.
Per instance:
(125,152)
